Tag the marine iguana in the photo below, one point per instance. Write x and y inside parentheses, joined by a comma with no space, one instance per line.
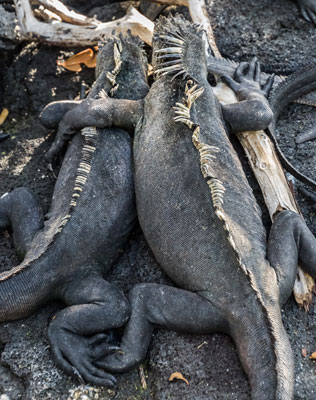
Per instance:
(205,228)
(91,214)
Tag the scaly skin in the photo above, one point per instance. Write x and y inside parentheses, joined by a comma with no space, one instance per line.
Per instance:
(94,192)
(205,229)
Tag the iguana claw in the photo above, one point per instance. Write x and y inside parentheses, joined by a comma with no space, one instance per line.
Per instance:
(74,354)
(308,10)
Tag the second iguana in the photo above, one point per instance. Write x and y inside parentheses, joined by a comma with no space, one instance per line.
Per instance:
(91,214)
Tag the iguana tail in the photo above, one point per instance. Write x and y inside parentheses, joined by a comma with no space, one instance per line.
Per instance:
(296,85)
(265,353)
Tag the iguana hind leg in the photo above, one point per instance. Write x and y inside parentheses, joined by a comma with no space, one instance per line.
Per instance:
(77,334)
(161,306)
(20,210)
(290,242)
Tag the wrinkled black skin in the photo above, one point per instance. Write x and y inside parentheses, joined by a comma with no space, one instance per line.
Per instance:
(190,244)
(71,268)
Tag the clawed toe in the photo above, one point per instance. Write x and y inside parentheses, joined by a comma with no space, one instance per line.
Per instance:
(117,362)
(74,354)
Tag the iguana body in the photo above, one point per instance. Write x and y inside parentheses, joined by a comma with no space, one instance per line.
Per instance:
(205,229)
(91,215)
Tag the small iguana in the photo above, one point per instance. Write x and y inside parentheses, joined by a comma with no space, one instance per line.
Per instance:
(91,214)
(201,220)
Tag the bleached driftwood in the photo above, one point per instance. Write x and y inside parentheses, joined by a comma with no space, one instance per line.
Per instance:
(200,16)
(66,15)
(46,15)
(65,34)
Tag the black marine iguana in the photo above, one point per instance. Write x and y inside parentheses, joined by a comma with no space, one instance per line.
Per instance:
(91,215)
(205,229)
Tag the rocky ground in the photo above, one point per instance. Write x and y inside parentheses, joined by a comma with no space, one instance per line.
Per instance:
(272,30)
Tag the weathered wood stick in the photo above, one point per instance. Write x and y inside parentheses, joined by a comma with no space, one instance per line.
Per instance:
(66,15)
(74,35)
(200,16)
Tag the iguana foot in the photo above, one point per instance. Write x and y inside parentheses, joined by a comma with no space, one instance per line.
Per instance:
(119,362)
(252,112)
(76,334)
(308,9)
(74,354)
(247,81)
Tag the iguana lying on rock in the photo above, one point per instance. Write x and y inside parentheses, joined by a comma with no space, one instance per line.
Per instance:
(202,222)
(91,215)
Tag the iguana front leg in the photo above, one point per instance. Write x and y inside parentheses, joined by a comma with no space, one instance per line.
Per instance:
(103,112)
(252,112)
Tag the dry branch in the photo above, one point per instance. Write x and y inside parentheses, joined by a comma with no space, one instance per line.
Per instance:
(66,15)
(66,34)
(200,16)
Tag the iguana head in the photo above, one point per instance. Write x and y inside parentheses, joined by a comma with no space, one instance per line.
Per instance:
(179,49)
(123,60)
